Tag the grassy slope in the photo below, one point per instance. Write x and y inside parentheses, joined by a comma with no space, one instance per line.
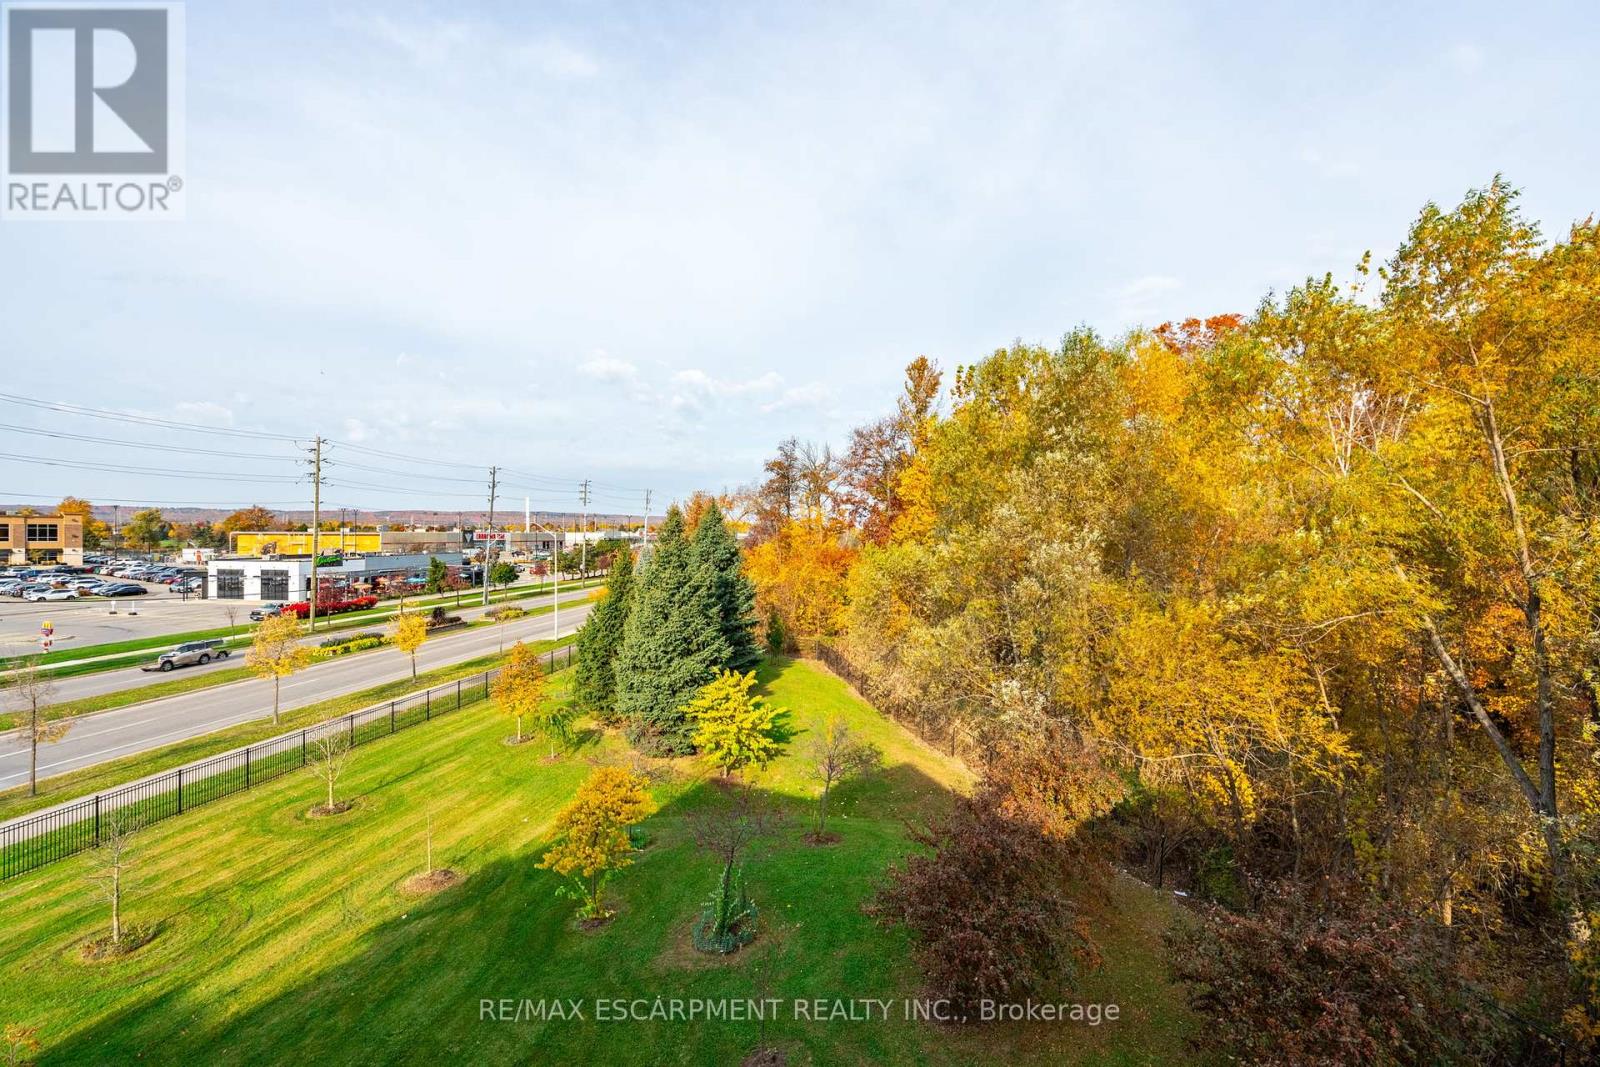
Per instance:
(285,940)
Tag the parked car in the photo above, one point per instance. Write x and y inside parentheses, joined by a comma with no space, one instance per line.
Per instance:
(123,589)
(51,594)
(188,654)
(269,611)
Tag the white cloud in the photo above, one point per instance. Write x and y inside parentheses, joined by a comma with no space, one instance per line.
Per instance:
(698,381)
(810,395)
(204,411)
(604,368)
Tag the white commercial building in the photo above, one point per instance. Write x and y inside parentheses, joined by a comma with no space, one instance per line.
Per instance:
(288,580)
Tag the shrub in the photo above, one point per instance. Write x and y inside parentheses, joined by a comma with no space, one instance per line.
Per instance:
(507,612)
(350,639)
(728,921)
(302,609)
(1351,983)
(986,907)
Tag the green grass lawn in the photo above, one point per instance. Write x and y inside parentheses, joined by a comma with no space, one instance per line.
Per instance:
(285,939)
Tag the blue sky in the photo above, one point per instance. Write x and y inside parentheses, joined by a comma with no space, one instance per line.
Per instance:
(642,243)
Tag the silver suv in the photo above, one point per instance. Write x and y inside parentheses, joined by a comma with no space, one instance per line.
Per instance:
(187,655)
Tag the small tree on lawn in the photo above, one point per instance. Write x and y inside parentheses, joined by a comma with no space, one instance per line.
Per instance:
(409,633)
(330,756)
(21,1045)
(109,863)
(276,652)
(734,728)
(727,831)
(521,686)
(594,841)
(554,719)
(836,754)
(31,693)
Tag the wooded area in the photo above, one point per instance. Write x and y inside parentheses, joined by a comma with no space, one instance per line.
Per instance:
(1296,611)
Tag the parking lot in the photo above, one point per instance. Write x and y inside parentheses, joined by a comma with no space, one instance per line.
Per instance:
(92,622)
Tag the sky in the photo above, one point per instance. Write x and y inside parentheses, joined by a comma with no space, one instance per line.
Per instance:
(642,243)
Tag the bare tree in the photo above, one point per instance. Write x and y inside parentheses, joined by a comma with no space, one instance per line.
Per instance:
(428,867)
(231,610)
(109,863)
(330,757)
(728,829)
(836,754)
(32,692)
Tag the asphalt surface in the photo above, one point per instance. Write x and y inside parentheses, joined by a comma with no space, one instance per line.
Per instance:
(76,687)
(109,735)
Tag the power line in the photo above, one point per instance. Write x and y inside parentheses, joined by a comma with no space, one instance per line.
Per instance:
(141,420)
(125,443)
(157,472)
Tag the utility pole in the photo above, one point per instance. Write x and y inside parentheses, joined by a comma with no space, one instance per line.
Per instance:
(644,549)
(316,525)
(583,532)
(488,546)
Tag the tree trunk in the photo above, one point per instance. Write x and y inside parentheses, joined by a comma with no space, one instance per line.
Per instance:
(330,792)
(413,666)
(33,755)
(822,808)
(276,679)
(116,905)
(1530,792)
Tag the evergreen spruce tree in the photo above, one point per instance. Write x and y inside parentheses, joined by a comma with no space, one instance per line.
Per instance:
(672,645)
(594,682)
(714,555)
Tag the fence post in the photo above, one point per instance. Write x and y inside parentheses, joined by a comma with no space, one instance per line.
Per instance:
(97,819)
(180,790)
(427,704)
(458,694)
(302,748)
(247,768)
(391,716)
(353,723)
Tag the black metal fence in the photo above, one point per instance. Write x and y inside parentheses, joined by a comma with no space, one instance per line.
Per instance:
(33,841)
(943,731)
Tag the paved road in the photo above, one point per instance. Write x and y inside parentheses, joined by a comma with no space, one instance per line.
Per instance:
(76,687)
(109,735)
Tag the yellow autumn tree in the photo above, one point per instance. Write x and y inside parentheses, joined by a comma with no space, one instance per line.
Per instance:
(733,727)
(800,573)
(594,842)
(276,652)
(409,633)
(521,686)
